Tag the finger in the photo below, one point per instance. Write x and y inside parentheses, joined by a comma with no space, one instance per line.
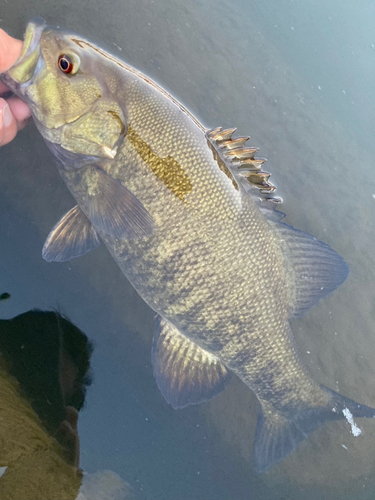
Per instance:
(3,88)
(20,111)
(8,124)
(19,108)
(22,125)
(10,50)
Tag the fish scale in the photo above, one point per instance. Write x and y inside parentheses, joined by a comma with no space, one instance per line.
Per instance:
(189,216)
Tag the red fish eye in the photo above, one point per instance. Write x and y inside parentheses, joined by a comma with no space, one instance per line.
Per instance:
(65,64)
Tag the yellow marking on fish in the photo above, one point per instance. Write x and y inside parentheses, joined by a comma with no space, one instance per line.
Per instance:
(167,169)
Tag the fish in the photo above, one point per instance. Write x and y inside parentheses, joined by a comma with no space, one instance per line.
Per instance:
(193,222)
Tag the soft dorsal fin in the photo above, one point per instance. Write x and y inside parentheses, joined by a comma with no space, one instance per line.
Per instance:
(317,269)
(185,373)
(72,236)
(239,163)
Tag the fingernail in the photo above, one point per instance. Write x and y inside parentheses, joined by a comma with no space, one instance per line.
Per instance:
(7,116)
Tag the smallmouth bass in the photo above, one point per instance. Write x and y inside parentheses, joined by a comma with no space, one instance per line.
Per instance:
(189,216)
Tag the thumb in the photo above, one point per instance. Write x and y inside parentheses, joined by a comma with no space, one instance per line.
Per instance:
(10,50)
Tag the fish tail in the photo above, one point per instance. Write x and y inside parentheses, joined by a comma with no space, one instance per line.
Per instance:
(276,436)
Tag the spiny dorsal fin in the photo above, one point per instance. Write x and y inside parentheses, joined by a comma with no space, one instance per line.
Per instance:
(239,163)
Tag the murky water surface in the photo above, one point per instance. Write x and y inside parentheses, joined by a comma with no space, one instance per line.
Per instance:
(298,77)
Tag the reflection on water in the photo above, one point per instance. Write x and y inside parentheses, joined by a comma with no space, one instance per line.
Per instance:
(222,64)
(44,373)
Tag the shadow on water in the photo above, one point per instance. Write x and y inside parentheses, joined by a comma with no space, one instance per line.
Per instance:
(218,59)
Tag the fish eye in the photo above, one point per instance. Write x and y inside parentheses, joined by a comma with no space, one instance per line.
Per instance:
(68,64)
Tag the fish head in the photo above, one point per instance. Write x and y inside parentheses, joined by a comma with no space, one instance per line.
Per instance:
(63,81)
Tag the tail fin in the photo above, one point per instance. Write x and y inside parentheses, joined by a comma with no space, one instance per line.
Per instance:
(276,436)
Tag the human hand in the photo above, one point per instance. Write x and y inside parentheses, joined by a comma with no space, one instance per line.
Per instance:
(14,113)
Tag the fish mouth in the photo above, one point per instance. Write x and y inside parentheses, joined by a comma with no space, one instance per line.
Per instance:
(24,68)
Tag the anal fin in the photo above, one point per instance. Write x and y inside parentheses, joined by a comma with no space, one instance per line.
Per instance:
(71,237)
(184,372)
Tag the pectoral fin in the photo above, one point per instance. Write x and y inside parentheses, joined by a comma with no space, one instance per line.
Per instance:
(72,237)
(114,210)
(184,372)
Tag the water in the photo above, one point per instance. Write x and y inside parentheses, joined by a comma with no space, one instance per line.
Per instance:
(230,65)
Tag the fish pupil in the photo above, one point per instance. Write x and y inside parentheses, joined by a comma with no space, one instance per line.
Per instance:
(65,64)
